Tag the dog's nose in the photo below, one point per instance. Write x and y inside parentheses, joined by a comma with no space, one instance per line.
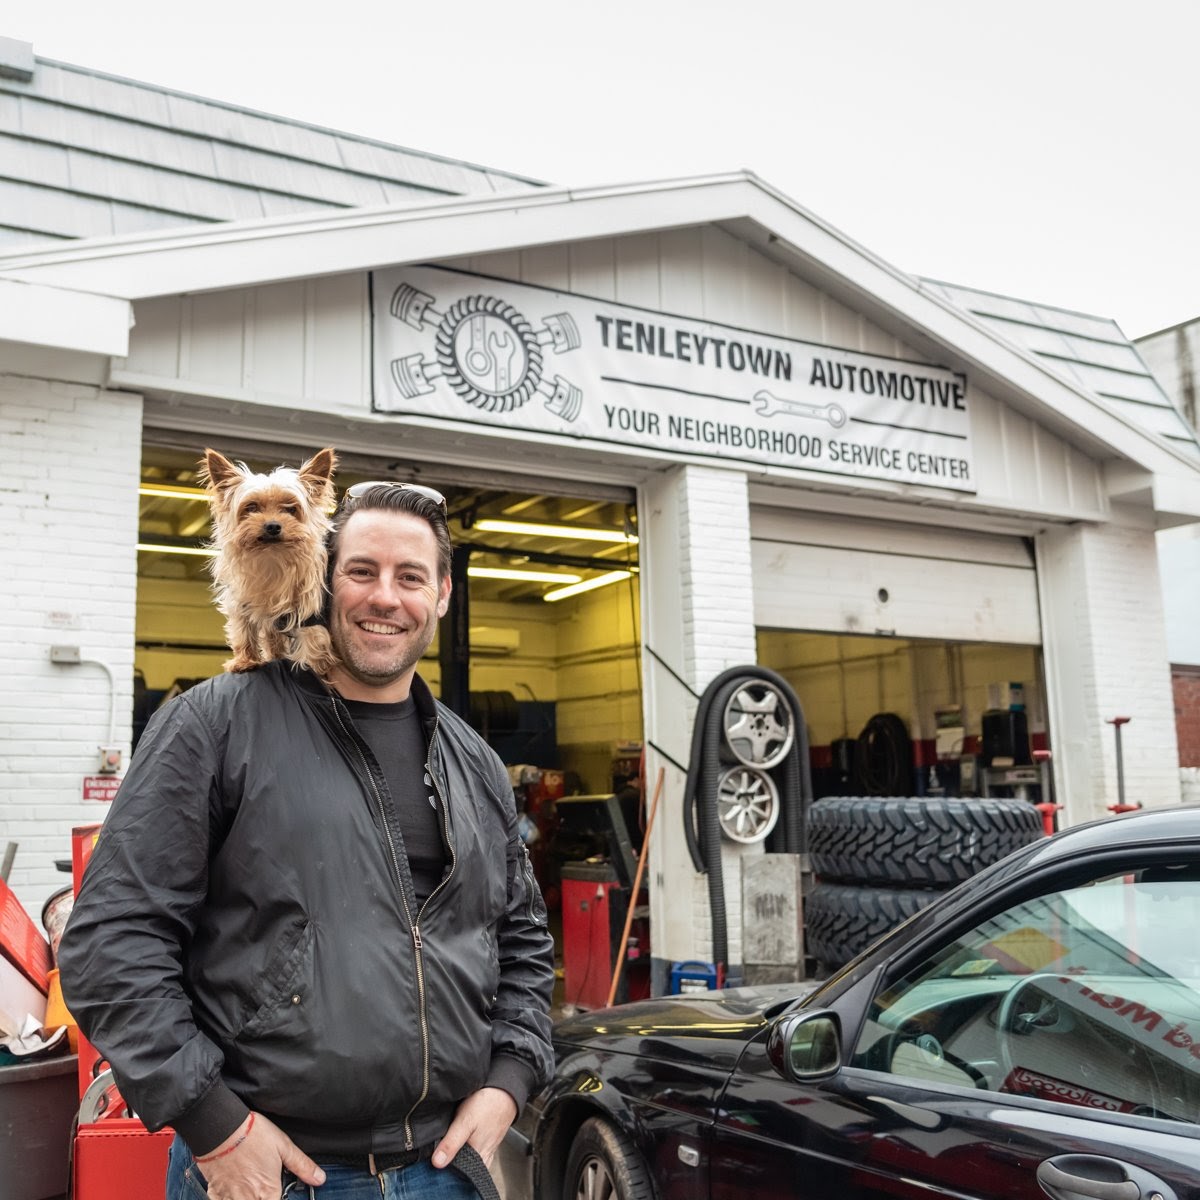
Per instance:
(272,529)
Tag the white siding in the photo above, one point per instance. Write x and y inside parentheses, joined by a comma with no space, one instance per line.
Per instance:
(305,346)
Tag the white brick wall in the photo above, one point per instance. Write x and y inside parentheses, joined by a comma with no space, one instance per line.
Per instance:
(698,616)
(69,465)
(1106,656)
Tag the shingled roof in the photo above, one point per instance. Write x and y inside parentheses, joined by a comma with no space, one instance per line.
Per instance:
(1088,350)
(84,154)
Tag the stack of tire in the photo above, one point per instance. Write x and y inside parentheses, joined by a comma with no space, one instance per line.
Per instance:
(879,860)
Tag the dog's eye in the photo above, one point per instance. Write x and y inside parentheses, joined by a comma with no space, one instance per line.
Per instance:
(252,507)
(292,510)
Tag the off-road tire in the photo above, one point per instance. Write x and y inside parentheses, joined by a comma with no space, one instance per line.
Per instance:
(916,841)
(842,921)
(601,1151)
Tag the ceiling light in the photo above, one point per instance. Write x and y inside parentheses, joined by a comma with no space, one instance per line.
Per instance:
(157,548)
(171,491)
(587,585)
(528,576)
(582,533)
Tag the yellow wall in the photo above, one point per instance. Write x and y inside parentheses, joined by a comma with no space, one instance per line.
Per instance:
(580,653)
(843,681)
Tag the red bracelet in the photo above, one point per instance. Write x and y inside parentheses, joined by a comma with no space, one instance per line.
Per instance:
(229,1149)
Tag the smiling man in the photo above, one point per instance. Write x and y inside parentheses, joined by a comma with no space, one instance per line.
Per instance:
(309,938)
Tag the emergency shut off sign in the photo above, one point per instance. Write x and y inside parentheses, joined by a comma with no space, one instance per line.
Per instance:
(468,347)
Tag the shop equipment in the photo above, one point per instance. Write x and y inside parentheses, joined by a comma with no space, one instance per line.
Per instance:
(637,888)
(598,901)
(1120,806)
(749,714)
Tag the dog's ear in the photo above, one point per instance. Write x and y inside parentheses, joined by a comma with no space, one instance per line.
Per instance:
(216,472)
(317,473)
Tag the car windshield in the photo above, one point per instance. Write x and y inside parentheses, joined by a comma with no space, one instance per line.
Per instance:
(1088,995)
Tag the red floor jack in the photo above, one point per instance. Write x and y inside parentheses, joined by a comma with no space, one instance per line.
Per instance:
(1046,806)
(1120,806)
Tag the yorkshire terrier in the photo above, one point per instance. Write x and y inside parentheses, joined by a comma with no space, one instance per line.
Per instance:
(270,561)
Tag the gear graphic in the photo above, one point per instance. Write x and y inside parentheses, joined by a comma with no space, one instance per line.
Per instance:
(487,352)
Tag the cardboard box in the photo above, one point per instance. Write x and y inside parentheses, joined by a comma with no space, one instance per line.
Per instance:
(21,942)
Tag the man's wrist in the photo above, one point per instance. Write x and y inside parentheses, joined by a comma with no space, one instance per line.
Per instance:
(512,1076)
(211,1121)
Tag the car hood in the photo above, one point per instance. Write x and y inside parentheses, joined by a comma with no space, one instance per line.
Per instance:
(707,1024)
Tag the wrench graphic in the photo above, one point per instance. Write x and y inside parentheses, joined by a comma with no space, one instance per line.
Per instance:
(770,406)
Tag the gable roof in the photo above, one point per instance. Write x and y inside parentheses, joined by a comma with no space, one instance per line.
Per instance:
(1142,464)
(84,154)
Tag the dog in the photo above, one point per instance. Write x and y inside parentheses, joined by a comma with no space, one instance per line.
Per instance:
(270,560)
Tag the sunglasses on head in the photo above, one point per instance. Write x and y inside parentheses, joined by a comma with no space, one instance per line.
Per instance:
(358,490)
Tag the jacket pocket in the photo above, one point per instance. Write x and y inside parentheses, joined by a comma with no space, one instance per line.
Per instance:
(284,981)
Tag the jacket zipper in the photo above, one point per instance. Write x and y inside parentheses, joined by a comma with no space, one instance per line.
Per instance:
(444,810)
(530,886)
(413,924)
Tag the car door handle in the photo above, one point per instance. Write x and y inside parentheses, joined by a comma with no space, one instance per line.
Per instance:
(1070,1176)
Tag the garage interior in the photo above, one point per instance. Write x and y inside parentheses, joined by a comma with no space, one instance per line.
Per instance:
(555,684)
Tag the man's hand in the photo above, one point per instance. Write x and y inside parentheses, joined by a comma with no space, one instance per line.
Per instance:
(253,1169)
(482,1120)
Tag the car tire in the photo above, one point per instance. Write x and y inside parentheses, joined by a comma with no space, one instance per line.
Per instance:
(916,840)
(603,1165)
(841,921)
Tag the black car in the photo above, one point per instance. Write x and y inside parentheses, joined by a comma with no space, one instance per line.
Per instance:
(1034,1032)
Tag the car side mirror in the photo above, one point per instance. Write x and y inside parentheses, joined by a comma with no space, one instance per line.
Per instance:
(805,1046)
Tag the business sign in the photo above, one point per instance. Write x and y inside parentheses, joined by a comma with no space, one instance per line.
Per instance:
(468,347)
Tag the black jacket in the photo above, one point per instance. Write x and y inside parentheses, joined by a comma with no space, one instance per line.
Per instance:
(247,932)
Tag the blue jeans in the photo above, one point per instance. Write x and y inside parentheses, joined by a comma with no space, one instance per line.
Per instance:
(421,1181)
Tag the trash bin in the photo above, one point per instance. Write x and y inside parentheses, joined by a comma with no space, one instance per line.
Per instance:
(38,1101)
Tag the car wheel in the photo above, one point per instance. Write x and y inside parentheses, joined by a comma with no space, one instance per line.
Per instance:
(603,1165)
(841,921)
(916,840)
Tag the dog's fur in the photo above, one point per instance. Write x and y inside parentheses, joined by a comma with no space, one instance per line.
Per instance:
(270,562)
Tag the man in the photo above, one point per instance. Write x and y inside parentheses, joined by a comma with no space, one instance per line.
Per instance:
(309,938)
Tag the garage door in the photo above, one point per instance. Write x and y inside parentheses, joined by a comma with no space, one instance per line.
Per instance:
(834,574)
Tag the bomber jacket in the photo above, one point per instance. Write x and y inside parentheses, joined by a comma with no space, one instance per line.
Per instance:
(247,934)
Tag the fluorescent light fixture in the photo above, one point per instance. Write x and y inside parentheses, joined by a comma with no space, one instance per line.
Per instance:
(171,492)
(580,533)
(587,585)
(527,576)
(156,548)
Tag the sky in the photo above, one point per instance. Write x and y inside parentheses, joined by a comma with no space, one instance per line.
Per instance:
(1044,149)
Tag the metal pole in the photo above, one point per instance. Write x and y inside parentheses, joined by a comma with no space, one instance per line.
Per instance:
(1116,723)
(10,852)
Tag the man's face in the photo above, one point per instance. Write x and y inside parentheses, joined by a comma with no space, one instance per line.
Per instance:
(387,599)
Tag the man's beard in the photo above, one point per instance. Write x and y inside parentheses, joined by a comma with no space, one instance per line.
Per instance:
(372,669)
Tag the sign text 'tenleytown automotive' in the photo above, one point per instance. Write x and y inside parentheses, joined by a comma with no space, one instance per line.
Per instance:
(468,347)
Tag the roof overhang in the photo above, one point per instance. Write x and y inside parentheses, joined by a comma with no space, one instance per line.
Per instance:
(252,253)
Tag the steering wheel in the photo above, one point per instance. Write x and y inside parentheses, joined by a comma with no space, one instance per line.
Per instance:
(1017,1019)
(909,1034)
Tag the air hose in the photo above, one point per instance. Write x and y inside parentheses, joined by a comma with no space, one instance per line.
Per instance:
(701,817)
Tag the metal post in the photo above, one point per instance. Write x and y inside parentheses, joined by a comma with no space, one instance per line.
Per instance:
(454,639)
(1116,723)
(10,852)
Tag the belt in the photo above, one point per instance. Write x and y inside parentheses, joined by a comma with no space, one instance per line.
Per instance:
(467,1162)
(376,1164)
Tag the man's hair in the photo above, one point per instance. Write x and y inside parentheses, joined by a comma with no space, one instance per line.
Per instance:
(385,497)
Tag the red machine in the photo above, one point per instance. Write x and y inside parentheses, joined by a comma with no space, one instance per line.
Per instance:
(114,1156)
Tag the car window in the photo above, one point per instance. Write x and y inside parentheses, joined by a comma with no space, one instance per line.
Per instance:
(1088,996)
